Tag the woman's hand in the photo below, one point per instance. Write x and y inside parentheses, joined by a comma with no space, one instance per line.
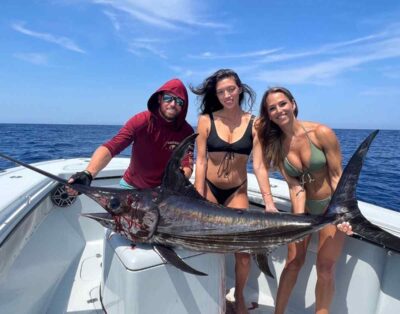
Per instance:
(270,207)
(345,227)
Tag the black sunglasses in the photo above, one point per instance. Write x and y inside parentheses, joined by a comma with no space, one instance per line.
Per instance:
(169,98)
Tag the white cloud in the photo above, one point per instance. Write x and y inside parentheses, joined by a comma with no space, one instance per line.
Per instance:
(34,58)
(141,45)
(183,72)
(202,72)
(332,48)
(381,91)
(315,73)
(249,54)
(114,20)
(172,14)
(61,41)
(360,51)
(170,19)
(391,72)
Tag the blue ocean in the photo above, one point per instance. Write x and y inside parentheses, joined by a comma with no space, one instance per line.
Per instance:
(378,184)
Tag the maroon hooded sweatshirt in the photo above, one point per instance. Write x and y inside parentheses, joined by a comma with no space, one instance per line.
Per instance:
(153,139)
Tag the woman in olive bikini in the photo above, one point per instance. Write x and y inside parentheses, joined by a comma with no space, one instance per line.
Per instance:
(308,156)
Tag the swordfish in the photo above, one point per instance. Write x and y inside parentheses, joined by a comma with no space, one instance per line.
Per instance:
(174,214)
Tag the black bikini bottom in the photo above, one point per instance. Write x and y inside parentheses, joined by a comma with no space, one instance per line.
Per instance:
(221,195)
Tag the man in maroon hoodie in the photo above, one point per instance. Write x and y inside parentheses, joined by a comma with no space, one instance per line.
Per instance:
(153,134)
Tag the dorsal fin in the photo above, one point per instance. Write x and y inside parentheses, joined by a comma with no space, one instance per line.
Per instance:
(174,179)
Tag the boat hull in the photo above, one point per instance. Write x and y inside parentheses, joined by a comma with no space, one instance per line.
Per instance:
(44,245)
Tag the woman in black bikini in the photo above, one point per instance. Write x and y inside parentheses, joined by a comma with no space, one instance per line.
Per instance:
(226,138)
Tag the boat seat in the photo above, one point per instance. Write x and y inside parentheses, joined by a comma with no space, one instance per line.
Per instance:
(136,280)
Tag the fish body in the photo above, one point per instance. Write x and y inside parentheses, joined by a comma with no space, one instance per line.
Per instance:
(203,226)
(176,215)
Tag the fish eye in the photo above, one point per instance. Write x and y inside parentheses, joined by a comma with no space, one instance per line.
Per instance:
(114,202)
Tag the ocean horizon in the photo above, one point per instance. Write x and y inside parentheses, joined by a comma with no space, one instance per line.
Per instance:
(193,125)
(31,142)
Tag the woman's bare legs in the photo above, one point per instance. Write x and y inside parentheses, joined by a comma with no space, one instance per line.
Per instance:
(295,260)
(242,260)
(242,270)
(329,249)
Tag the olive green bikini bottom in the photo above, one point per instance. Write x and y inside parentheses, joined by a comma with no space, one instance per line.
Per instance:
(317,207)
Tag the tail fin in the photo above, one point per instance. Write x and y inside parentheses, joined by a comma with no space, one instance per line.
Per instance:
(364,230)
(344,199)
(344,202)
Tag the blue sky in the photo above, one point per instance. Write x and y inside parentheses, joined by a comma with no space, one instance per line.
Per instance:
(98,61)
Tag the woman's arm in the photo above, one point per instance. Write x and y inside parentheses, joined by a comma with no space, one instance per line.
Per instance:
(296,192)
(261,172)
(330,145)
(201,158)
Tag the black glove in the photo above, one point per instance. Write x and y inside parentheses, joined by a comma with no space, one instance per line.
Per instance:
(82,177)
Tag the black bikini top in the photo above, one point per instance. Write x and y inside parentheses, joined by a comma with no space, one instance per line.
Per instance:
(241,146)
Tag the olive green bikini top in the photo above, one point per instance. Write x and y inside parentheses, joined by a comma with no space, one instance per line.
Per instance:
(317,162)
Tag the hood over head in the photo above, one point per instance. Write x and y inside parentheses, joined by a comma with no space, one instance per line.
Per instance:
(176,88)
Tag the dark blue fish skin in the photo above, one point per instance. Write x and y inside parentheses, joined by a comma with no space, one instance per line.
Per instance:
(204,226)
(175,215)
(161,216)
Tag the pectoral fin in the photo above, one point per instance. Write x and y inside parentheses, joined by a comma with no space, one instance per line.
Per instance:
(171,257)
(261,260)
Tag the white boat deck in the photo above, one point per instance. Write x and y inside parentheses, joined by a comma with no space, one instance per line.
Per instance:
(85,293)
(52,259)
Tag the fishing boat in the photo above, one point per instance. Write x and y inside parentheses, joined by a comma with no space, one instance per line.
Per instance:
(54,260)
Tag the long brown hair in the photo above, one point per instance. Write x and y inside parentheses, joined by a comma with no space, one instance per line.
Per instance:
(270,134)
(206,91)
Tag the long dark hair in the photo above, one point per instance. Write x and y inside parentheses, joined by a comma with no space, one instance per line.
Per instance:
(206,91)
(270,134)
